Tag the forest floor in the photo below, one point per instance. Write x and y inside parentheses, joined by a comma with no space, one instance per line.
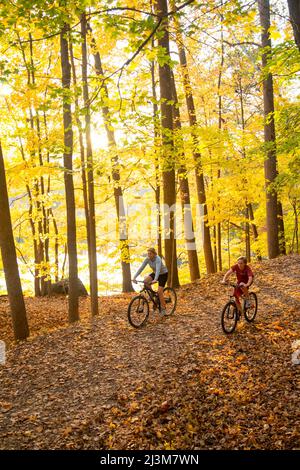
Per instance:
(177,383)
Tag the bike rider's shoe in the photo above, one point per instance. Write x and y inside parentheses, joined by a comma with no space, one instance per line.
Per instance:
(162,312)
(248,304)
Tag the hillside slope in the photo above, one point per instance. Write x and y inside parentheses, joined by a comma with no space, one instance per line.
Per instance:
(178,383)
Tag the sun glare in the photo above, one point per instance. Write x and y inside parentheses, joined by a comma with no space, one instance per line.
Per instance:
(5,90)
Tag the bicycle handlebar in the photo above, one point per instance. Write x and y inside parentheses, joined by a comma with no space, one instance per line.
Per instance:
(230,284)
(142,282)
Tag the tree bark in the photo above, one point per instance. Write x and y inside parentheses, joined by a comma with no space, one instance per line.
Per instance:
(10,264)
(270,164)
(33,193)
(40,191)
(68,177)
(156,169)
(220,125)
(254,230)
(247,235)
(294,9)
(82,157)
(90,174)
(281,231)
(168,164)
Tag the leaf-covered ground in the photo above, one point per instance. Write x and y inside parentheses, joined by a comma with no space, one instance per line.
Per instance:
(178,383)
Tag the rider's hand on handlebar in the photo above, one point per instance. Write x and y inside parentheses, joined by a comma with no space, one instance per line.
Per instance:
(224,283)
(154,282)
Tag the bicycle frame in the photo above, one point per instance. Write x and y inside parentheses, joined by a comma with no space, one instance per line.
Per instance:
(233,296)
(151,294)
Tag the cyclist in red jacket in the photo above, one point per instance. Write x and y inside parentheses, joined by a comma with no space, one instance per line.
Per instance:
(244,276)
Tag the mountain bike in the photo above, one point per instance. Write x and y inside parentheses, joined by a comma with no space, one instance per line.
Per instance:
(139,307)
(234,309)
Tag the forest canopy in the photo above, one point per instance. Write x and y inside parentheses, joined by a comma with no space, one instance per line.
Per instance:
(114,111)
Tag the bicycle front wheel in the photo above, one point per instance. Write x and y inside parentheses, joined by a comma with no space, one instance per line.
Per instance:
(170,297)
(138,311)
(229,317)
(250,312)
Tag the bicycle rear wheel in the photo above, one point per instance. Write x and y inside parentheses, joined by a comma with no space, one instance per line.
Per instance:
(250,312)
(138,311)
(229,317)
(170,297)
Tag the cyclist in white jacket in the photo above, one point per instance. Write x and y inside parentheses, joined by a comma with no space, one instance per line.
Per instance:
(159,274)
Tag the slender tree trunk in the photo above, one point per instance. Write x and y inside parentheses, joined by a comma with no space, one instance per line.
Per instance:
(156,143)
(254,230)
(219,245)
(33,193)
(168,164)
(249,209)
(281,236)
(269,130)
(68,177)
(215,247)
(116,177)
(10,264)
(296,227)
(247,235)
(294,9)
(228,243)
(185,193)
(82,157)
(63,266)
(90,173)
(208,254)
(220,126)
(50,217)
(56,245)
(40,188)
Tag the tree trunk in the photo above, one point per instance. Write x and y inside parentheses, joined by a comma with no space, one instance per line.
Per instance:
(208,254)
(254,229)
(185,193)
(281,236)
(82,158)
(33,193)
(269,131)
(168,164)
(10,264)
(247,235)
(157,175)
(228,243)
(249,209)
(56,245)
(40,188)
(220,125)
(90,174)
(68,177)
(294,9)
(118,192)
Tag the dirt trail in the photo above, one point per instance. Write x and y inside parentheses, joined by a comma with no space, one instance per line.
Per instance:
(178,383)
